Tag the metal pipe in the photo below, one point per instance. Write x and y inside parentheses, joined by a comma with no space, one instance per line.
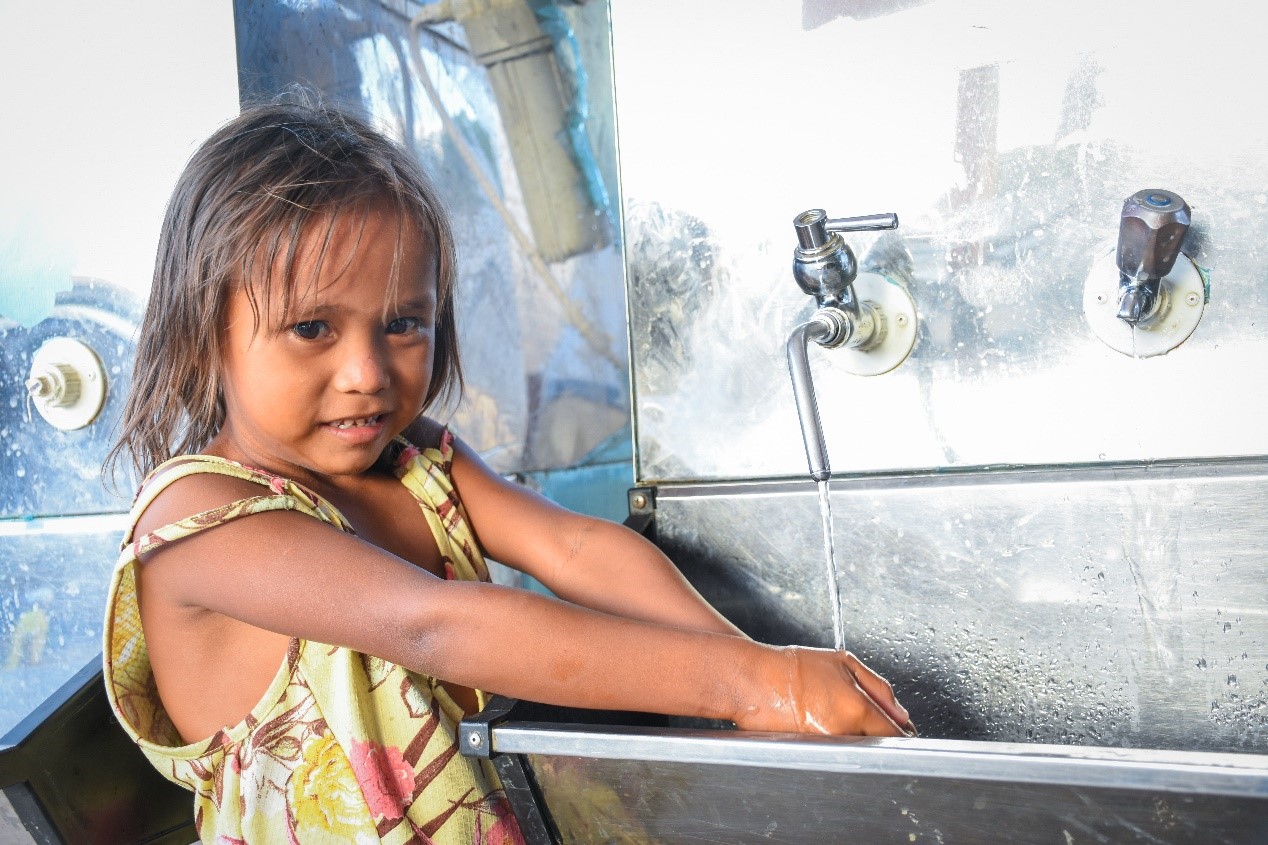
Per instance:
(828,327)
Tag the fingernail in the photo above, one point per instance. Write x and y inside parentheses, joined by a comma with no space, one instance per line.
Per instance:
(910,728)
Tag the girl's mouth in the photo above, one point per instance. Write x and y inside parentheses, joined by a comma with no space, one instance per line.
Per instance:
(360,422)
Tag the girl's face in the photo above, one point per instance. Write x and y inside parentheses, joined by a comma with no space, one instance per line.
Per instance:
(320,393)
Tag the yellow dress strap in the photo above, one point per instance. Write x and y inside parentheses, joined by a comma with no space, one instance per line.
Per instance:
(285,495)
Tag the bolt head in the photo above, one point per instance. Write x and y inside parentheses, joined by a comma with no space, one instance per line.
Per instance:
(1101,298)
(1192,298)
(901,319)
(473,739)
(639,501)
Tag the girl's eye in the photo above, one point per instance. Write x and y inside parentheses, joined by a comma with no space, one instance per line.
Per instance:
(309,329)
(405,325)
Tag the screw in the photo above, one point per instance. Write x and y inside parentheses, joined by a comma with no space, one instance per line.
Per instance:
(638,501)
(473,739)
(1100,297)
(1192,298)
(901,319)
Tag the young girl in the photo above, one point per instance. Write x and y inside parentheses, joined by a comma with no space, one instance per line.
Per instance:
(301,612)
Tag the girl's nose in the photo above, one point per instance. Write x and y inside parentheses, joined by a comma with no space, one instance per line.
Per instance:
(363,370)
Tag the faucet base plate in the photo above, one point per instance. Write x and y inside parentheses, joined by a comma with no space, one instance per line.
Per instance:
(896,311)
(1182,301)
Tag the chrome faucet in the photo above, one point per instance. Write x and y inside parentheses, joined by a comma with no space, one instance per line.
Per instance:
(825,267)
(1150,231)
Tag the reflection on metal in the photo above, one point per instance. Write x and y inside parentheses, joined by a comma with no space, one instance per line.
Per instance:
(1048,542)
(679,803)
(1006,142)
(507,40)
(67,383)
(1120,607)
(55,577)
(537,256)
(1232,775)
(601,781)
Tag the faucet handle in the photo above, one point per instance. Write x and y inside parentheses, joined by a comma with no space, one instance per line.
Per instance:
(1150,232)
(813,226)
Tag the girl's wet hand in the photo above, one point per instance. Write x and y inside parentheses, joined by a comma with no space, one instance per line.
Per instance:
(829,692)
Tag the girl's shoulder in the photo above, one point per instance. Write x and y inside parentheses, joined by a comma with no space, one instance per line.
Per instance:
(197,486)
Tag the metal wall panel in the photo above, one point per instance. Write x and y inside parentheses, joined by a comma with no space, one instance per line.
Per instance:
(1119,607)
(1039,538)
(1006,137)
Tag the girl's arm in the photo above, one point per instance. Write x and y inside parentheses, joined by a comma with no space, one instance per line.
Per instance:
(588,561)
(288,573)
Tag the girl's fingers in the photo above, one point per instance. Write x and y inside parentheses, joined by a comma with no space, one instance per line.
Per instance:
(876,722)
(878,689)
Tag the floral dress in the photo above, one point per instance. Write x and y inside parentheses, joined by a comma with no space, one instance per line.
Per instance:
(343,747)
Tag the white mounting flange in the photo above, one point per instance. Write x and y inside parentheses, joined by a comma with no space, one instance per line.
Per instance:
(67,383)
(898,312)
(1182,300)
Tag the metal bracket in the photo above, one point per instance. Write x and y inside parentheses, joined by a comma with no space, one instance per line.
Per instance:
(475,739)
(475,733)
(642,504)
(642,500)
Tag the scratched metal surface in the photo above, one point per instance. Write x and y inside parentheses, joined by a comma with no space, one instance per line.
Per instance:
(1006,137)
(630,801)
(52,592)
(1115,607)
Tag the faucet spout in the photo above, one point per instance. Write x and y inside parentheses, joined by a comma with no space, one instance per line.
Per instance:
(1137,301)
(829,327)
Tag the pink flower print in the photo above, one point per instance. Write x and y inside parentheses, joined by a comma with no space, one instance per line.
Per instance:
(408,454)
(501,829)
(278,484)
(451,574)
(386,780)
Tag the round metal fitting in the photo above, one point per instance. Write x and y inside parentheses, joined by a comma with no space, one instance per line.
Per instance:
(474,740)
(894,336)
(67,383)
(639,501)
(1166,328)
(837,327)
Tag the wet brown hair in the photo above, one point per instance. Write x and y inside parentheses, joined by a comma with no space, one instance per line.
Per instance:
(236,218)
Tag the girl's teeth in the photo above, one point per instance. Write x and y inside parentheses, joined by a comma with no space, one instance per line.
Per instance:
(352,423)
